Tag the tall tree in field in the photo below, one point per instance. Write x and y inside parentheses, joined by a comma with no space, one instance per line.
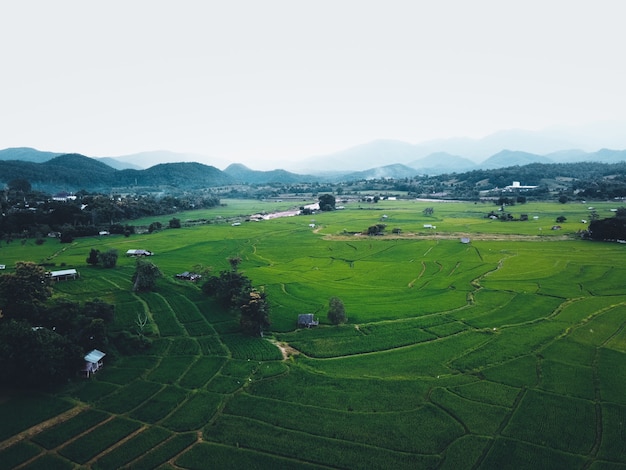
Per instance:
(146,275)
(234,262)
(336,311)
(255,314)
(327,202)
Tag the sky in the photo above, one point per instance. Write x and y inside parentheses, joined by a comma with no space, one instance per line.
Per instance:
(258,82)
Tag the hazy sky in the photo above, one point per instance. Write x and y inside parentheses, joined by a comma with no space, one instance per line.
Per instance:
(252,81)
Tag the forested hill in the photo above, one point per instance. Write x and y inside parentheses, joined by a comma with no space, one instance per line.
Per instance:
(73,172)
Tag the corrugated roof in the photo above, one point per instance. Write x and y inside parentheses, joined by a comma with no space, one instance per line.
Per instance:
(94,356)
(63,272)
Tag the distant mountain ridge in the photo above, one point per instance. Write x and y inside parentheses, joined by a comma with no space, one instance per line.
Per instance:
(73,172)
(378,159)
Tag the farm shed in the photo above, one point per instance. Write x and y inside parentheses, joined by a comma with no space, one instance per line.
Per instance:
(187,276)
(139,253)
(63,275)
(307,320)
(93,363)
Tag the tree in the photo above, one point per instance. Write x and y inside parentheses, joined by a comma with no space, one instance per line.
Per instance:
(154,226)
(145,276)
(563,199)
(35,356)
(19,185)
(93,257)
(108,258)
(175,223)
(230,288)
(336,311)
(255,313)
(428,211)
(560,219)
(25,290)
(327,202)
(234,262)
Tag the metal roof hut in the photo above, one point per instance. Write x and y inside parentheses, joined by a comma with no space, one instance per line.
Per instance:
(307,320)
(63,275)
(465,240)
(93,363)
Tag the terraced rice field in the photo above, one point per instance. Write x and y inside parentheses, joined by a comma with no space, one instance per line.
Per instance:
(507,352)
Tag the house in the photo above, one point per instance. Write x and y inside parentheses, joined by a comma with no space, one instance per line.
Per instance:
(93,363)
(465,240)
(63,275)
(104,232)
(187,276)
(556,227)
(307,320)
(139,253)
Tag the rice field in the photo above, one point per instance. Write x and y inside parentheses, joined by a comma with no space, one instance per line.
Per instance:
(507,352)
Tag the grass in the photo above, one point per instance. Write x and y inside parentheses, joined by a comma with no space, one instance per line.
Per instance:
(417,378)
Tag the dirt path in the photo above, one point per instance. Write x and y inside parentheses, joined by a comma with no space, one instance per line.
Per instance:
(32,431)
(286,350)
(459,235)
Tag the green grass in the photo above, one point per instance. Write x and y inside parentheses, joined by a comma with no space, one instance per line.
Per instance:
(502,353)
(194,413)
(17,454)
(57,435)
(27,409)
(97,440)
(131,449)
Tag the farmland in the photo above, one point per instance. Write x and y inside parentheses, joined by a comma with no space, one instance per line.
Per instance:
(505,352)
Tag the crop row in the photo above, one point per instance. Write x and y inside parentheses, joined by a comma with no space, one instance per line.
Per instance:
(131,449)
(97,440)
(244,347)
(57,435)
(129,397)
(239,432)
(162,453)
(27,410)
(160,405)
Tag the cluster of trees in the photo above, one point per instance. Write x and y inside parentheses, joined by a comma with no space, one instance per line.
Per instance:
(107,259)
(42,342)
(234,290)
(612,228)
(27,213)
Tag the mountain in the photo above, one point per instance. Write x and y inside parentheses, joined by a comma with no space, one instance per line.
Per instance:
(73,172)
(396,171)
(609,156)
(27,154)
(243,174)
(118,164)
(184,175)
(359,158)
(506,158)
(143,160)
(441,162)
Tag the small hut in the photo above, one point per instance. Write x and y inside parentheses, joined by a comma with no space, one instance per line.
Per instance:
(93,363)
(307,320)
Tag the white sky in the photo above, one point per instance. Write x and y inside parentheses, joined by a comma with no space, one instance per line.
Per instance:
(251,81)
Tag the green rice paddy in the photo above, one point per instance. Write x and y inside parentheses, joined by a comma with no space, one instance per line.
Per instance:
(506,352)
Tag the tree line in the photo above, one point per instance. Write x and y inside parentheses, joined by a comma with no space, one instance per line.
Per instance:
(32,214)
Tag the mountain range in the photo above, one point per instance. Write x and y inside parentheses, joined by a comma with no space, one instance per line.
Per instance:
(377,159)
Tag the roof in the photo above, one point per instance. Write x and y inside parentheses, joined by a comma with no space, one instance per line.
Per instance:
(63,272)
(94,356)
(307,319)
